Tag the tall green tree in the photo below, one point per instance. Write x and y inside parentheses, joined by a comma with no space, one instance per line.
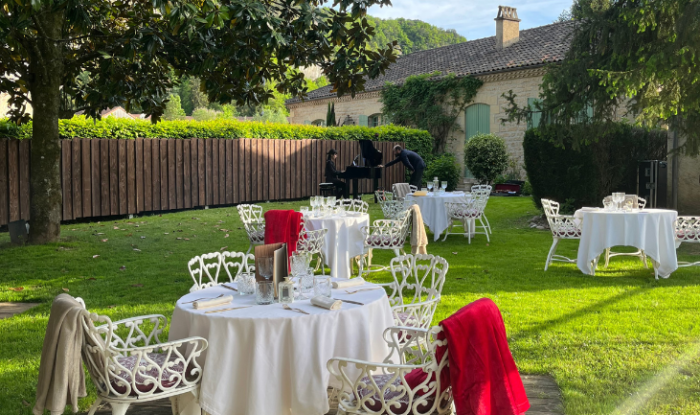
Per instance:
(173,109)
(640,56)
(130,48)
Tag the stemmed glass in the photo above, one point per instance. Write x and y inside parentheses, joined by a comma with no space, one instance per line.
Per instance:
(314,204)
(618,198)
(265,267)
(443,184)
(430,186)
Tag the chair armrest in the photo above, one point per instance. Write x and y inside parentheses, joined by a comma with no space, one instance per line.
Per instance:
(385,222)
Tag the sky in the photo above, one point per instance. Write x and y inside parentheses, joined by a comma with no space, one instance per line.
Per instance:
(472,19)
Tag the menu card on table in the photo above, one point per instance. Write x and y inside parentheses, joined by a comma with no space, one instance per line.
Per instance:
(278,252)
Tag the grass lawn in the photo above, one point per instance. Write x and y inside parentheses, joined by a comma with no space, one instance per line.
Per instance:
(618,342)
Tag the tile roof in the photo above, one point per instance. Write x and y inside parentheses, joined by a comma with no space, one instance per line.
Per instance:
(536,46)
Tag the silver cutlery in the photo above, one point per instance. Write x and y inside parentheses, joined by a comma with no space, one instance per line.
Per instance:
(224,309)
(349,301)
(205,298)
(298,310)
(230,288)
(363,289)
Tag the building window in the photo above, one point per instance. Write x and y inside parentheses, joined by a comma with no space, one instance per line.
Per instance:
(319,123)
(477,121)
(374,120)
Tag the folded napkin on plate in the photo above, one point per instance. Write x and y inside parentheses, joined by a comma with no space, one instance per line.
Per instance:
(348,283)
(200,304)
(326,302)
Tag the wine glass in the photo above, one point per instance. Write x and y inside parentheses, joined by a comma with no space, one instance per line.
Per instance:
(265,267)
(443,184)
(618,198)
(430,186)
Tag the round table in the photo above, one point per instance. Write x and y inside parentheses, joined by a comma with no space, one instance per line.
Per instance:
(651,230)
(344,240)
(432,208)
(268,360)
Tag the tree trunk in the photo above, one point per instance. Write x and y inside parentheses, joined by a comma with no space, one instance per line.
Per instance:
(46,67)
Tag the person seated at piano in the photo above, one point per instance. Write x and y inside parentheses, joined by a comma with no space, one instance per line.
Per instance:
(332,174)
(413,163)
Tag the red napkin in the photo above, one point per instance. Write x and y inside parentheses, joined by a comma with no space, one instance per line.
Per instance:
(283,226)
(482,372)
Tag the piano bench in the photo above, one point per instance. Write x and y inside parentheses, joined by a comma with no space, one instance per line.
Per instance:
(327,189)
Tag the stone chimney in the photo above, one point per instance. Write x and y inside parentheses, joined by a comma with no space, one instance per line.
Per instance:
(507,27)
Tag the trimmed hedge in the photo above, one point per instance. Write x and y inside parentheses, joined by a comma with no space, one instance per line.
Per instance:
(445,167)
(583,178)
(120,128)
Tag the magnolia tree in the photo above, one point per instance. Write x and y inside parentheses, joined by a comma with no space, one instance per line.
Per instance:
(64,56)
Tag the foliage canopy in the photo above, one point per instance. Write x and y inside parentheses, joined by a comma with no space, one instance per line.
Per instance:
(646,50)
(485,156)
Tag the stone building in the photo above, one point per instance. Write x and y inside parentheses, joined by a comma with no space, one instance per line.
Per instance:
(513,59)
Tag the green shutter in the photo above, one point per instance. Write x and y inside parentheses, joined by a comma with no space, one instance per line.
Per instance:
(534,120)
(362,120)
(307,122)
(477,120)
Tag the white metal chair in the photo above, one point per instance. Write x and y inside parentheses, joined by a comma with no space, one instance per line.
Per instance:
(466,212)
(353,205)
(204,270)
(381,388)
(383,195)
(234,263)
(253,223)
(485,191)
(562,227)
(384,234)
(688,231)
(416,290)
(391,208)
(638,203)
(313,242)
(397,192)
(128,363)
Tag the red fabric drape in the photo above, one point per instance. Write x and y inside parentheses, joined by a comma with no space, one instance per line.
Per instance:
(283,226)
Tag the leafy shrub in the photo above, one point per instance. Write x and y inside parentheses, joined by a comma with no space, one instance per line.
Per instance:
(445,167)
(80,127)
(485,156)
(205,114)
(584,177)
(526,190)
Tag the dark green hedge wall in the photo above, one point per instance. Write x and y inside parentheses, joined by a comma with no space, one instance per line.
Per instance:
(584,177)
(110,127)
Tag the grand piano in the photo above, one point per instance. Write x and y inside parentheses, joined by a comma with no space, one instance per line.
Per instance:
(364,167)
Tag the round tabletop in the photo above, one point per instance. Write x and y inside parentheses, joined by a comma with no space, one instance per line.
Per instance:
(432,208)
(344,239)
(651,230)
(263,359)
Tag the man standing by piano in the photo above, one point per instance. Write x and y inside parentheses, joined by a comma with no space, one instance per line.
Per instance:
(413,163)
(332,174)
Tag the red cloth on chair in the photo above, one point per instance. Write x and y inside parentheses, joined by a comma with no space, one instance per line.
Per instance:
(482,372)
(283,226)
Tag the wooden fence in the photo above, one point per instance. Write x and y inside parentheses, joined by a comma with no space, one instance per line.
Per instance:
(120,177)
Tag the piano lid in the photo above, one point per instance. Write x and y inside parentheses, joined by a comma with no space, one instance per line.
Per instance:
(371,155)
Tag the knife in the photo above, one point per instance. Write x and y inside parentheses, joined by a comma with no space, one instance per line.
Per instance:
(349,301)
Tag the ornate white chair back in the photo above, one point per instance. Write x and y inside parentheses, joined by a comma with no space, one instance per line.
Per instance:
(353,205)
(234,263)
(312,241)
(204,270)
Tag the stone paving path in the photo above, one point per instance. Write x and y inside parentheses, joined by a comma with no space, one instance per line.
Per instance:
(542,391)
(8,310)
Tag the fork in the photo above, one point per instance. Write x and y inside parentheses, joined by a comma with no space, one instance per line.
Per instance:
(298,310)
(224,309)
(363,289)
(205,298)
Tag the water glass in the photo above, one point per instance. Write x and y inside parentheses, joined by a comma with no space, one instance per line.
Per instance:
(322,285)
(264,293)
(341,210)
(300,262)
(306,284)
(246,283)
(430,186)
(265,267)
(443,184)
(304,211)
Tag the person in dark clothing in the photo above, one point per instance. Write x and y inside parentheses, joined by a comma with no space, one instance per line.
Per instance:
(332,174)
(413,163)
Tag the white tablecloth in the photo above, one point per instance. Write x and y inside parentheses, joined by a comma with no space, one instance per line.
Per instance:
(651,230)
(343,241)
(432,207)
(268,360)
